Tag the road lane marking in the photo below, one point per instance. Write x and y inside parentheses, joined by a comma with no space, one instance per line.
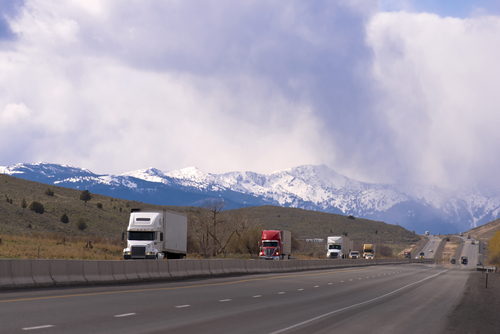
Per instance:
(354,305)
(316,286)
(300,290)
(281,293)
(124,315)
(330,283)
(225,300)
(334,271)
(257,296)
(37,327)
(182,306)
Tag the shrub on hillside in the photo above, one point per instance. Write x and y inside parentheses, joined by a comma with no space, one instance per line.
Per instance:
(383,251)
(99,205)
(64,218)
(80,224)
(49,192)
(24,205)
(37,207)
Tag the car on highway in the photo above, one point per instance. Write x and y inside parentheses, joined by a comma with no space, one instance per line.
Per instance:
(431,250)
(463,260)
(453,261)
(354,255)
(421,255)
(369,256)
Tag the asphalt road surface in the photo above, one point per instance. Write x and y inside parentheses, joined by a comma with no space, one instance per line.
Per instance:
(375,299)
(471,251)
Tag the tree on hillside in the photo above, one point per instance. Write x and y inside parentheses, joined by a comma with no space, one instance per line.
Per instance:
(81,224)
(24,205)
(85,196)
(214,230)
(37,207)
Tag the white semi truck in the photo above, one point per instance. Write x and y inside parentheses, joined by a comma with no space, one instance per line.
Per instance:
(338,247)
(156,235)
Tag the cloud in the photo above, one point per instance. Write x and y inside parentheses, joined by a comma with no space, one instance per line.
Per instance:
(259,85)
(439,77)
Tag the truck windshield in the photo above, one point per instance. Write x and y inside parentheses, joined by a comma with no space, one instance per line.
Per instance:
(334,247)
(269,243)
(134,235)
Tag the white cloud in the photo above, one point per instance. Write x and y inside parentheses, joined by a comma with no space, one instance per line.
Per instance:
(439,77)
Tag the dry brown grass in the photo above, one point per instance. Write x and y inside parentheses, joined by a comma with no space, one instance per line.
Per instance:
(57,246)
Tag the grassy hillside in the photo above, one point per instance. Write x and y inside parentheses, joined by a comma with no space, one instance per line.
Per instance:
(314,224)
(112,218)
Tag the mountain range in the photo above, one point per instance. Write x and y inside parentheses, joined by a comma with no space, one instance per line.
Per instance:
(414,206)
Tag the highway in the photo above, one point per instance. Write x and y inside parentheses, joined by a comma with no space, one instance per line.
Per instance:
(390,299)
(471,251)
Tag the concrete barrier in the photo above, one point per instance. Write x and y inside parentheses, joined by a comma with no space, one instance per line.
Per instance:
(216,267)
(153,271)
(40,271)
(21,272)
(75,271)
(252,266)
(177,268)
(59,271)
(142,268)
(192,269)
(118,270)
(6,274)
(163,269)
(205,267)
(91,271)
(105,270)
(131,270)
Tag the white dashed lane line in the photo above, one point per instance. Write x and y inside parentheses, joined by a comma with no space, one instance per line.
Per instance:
(124,315)
(37,327)
(257,296)
(281,293)
(182,306)
(225,300)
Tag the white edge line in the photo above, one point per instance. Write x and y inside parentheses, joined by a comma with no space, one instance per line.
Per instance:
(353,306)
(37,327)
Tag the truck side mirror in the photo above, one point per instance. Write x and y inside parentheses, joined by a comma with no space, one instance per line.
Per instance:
(161,236)
(123,235)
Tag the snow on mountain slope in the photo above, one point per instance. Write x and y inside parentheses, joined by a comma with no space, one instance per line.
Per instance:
(312,187)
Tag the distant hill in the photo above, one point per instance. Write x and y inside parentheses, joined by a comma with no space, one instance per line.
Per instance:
(112,218)
(485,232)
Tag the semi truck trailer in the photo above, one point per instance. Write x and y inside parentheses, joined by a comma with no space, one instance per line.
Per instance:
(156,235)
(275,245)
(338,247)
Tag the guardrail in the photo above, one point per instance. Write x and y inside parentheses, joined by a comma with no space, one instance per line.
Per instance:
(38,273)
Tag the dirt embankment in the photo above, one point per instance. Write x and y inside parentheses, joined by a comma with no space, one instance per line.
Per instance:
(478,310)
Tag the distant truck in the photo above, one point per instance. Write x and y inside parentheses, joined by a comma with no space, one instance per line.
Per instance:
(368,251)
(275,245)
(421,255)
(156,235)
(407,255)
(338,247)
(426,232)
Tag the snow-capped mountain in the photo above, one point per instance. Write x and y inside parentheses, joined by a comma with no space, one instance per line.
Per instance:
(417,207)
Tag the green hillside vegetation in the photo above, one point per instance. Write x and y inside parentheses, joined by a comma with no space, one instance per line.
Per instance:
(68,212)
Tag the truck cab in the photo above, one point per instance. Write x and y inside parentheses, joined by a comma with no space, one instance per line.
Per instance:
(275,245)
(144,236)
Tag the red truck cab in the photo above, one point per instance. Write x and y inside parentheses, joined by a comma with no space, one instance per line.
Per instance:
(275,245)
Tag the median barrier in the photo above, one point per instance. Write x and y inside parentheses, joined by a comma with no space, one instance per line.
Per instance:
(230,266)
(59,271)
(193,268)
(118,270)
(163,269)
(105,270)
(153,271)
(6,274)
(91,271)
(177,268)
(216,267)
(75,271)
(21,272)
(205,267)
(251,266)
(142,268)
(130,268)
(40,271)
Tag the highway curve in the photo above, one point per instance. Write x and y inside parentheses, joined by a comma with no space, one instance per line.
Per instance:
(378,299)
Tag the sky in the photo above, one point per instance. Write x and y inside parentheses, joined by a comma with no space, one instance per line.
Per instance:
(380,91)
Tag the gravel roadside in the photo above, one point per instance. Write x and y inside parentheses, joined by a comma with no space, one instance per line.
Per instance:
(479,309)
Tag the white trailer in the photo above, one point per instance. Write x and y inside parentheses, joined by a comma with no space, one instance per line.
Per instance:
(338,247)
(156,235)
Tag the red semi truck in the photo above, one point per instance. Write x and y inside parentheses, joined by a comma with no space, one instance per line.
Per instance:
(275,245)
